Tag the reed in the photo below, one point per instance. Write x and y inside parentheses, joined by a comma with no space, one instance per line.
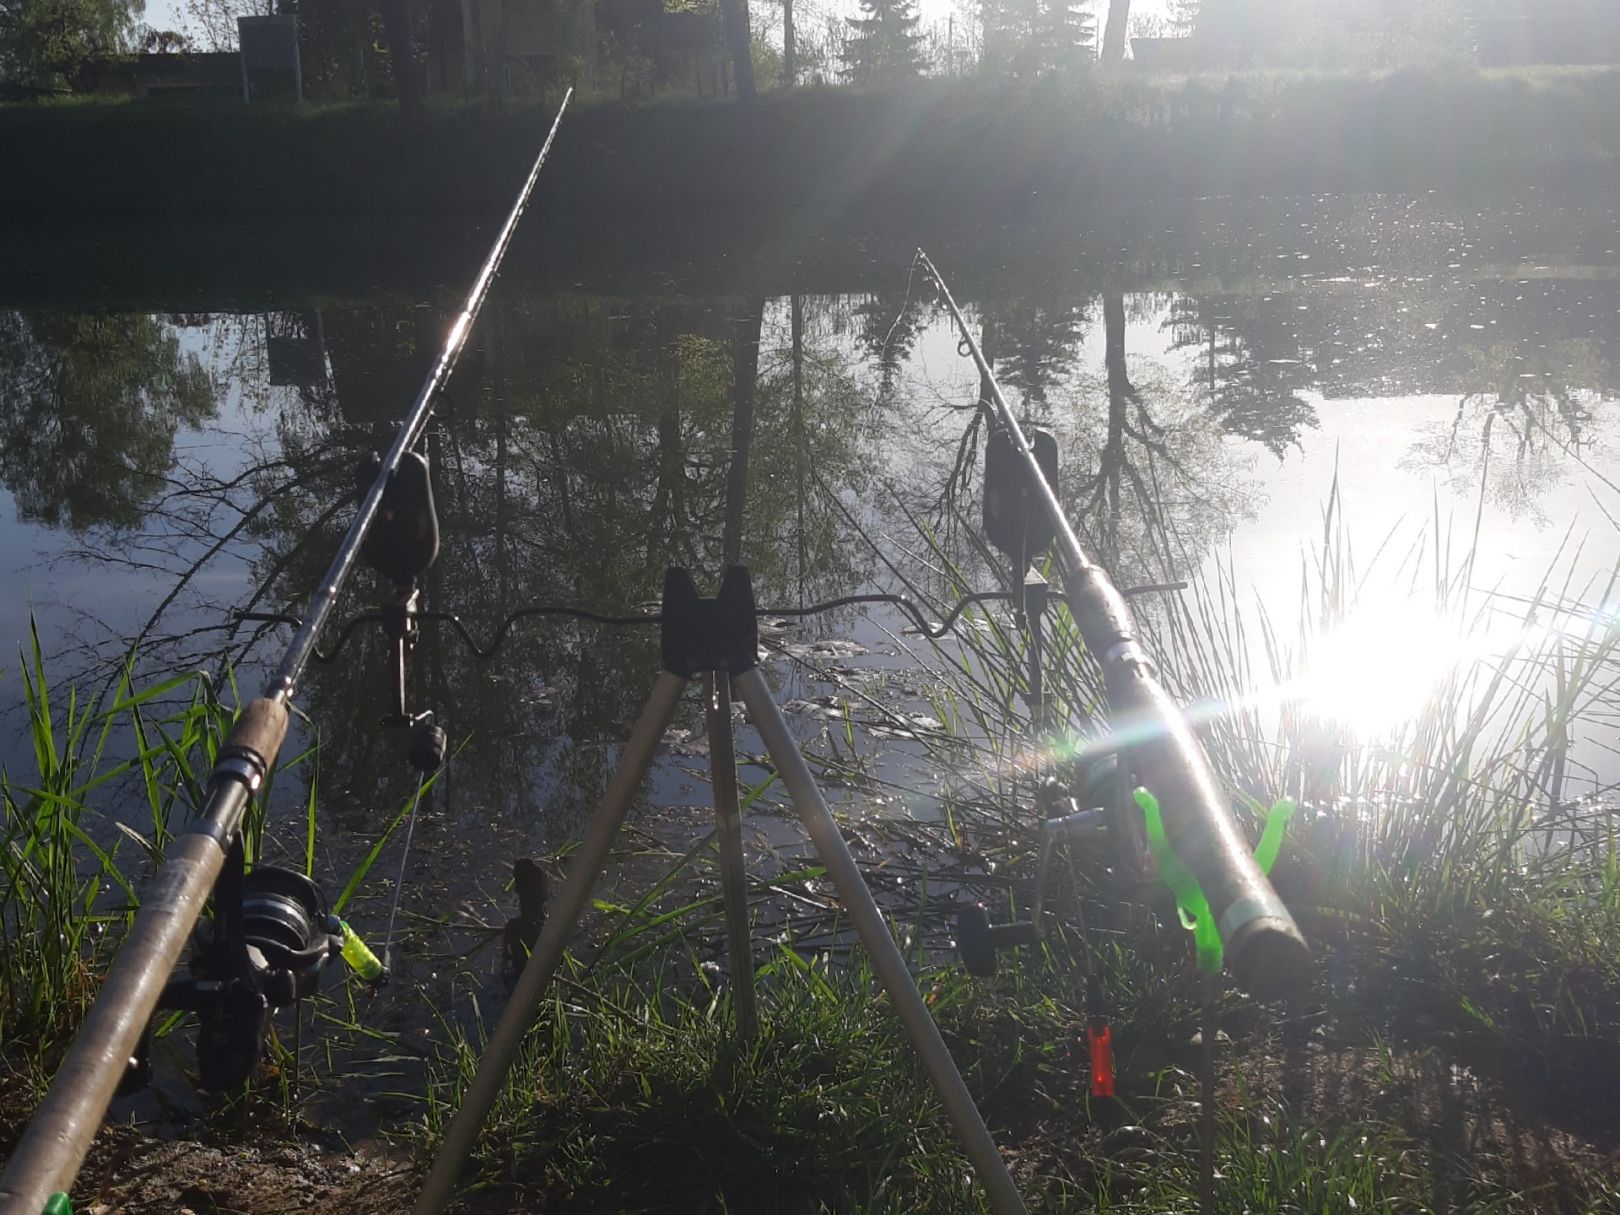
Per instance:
(1455,866)
(69,883)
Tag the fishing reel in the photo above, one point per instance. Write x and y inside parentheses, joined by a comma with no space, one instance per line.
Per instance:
(266,946)
(1091,819)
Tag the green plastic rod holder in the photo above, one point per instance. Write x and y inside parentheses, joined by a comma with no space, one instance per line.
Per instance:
(1191,904)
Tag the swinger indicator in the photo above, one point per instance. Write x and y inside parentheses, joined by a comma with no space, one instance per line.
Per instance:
(403,540)
(1013,519)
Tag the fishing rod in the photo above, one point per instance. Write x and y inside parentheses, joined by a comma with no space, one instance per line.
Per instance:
(276,930)
(1268,956)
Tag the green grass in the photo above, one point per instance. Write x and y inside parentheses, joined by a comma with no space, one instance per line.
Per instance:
(71,871)
(634,1096)
(69,881)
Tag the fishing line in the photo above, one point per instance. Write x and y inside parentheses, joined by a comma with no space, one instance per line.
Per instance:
(905,304)
(399,881)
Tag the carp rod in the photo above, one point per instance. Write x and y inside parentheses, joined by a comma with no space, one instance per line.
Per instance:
(48,1156)
(1268,956)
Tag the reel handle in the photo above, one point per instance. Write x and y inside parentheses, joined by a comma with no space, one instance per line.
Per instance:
(978,940)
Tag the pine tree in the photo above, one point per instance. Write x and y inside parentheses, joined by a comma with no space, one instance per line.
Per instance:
(1184,17)
(1028,38)
(884,46)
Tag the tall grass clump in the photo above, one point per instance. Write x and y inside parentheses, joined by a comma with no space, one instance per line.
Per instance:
(1453,862)
(634,1086)
(1454,844)
(68,868)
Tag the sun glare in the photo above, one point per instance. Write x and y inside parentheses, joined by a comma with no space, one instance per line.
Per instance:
(1373,672)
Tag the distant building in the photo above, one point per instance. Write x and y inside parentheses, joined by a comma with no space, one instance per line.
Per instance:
(268,61)
(210,74)
(1279,33)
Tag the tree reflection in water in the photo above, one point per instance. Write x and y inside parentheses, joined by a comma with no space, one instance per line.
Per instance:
(90,404)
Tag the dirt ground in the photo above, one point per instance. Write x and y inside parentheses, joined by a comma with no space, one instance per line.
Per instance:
(1541,1133)
(129,1173)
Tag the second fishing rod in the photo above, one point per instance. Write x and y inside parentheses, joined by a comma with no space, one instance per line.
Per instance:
(272,934)
(1268,956)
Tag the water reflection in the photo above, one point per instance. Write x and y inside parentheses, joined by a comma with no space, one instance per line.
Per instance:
(589,441)
(586,445)
(1249,371)
(1520,426)
(90,404)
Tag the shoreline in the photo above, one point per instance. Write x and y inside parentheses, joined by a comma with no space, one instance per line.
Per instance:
(823,160)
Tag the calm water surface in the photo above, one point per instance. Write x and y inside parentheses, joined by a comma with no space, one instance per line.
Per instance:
(1212,372)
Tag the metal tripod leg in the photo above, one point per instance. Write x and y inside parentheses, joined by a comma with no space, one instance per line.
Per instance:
(733,877)
(886,957)
(564,913)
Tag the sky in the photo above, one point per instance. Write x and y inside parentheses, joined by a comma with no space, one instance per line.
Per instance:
(166,14)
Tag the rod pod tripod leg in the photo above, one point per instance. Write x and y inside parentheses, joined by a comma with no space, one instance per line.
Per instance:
(717,638)
(728,825)
(886,957)
(524,1003)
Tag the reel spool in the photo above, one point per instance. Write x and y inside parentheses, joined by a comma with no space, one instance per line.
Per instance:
(285,920)
(266,947)
(1100,810)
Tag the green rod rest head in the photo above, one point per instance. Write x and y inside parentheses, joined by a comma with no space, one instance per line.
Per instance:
(1191,903)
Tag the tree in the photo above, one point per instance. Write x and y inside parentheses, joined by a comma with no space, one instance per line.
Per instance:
(1028,38)
(217,19)
(884,46)
(44,42)
(340,45)
(396,16)
(1114,33)
(740,42)
(790,48)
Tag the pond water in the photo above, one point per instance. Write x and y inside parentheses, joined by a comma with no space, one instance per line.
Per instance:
(1215,373)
